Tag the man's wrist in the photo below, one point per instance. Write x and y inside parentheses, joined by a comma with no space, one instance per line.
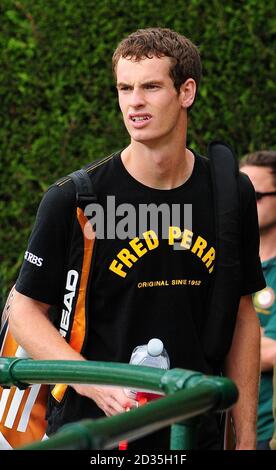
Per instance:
(246,442)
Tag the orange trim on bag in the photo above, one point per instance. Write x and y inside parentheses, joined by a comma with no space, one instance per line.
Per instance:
(22,415)
(59,391)
(13,431)
(78,328)
(10,345)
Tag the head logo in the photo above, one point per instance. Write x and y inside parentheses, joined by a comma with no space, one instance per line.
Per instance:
(71,285)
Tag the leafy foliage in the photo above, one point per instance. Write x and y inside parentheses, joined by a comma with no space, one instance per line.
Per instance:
(58,102)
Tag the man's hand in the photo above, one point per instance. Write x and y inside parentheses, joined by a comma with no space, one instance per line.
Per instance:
(112,400)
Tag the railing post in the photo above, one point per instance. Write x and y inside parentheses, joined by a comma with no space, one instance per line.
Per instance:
(184,435)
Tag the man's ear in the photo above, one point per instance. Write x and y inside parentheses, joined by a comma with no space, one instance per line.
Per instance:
(187,93)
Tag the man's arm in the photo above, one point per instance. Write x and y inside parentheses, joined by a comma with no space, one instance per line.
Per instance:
(243,367)
(29,324)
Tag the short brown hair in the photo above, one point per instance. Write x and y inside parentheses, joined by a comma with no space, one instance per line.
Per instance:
(160,42)
(263,158)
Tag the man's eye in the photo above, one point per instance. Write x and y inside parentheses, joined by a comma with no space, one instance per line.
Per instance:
(151,86)
(124,88)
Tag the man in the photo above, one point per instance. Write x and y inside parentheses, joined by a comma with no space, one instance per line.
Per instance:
(145,284)
(261,169)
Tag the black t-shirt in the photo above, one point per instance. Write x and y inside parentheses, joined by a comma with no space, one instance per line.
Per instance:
(145,287)
(142,286)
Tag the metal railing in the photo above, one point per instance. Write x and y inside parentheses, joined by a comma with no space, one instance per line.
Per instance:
(188,394)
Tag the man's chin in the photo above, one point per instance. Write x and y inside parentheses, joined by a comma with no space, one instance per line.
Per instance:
(143,138)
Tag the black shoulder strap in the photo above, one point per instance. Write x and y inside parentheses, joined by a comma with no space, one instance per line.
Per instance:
(225,294)
(85,195)
(84,187)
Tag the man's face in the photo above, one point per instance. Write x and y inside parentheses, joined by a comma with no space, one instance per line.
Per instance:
(150,104)
(263,182)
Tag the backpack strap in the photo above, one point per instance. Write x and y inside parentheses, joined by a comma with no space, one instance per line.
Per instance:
(84,188)
(225,292)
(74,319)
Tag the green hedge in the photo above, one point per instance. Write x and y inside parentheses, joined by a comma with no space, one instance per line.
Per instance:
(58,101)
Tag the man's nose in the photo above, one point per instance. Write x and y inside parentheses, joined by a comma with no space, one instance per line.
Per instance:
(137,98)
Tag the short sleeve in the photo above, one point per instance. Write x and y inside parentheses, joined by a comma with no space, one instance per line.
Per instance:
(252,274)
(42,273)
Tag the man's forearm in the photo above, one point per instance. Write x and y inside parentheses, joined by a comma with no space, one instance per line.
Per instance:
(243,367)
(31,328)
(34,332)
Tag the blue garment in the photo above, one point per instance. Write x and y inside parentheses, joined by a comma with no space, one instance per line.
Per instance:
(265,305)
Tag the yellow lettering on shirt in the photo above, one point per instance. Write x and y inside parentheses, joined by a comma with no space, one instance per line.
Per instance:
(137,246)
(117,268)
(151,239)
(126,257)
(198,247)
(174,234)
(186,239)
(209,257)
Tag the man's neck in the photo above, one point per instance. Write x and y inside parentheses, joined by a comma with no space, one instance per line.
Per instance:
(268,244)
(163,168)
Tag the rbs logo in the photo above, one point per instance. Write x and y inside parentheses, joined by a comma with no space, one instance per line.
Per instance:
(33,259)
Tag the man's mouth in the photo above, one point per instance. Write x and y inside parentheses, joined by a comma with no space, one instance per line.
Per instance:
(140,117)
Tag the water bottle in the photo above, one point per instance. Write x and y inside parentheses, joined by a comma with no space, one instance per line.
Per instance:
(152,354)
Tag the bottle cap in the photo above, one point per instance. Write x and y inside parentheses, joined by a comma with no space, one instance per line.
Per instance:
(155,347)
